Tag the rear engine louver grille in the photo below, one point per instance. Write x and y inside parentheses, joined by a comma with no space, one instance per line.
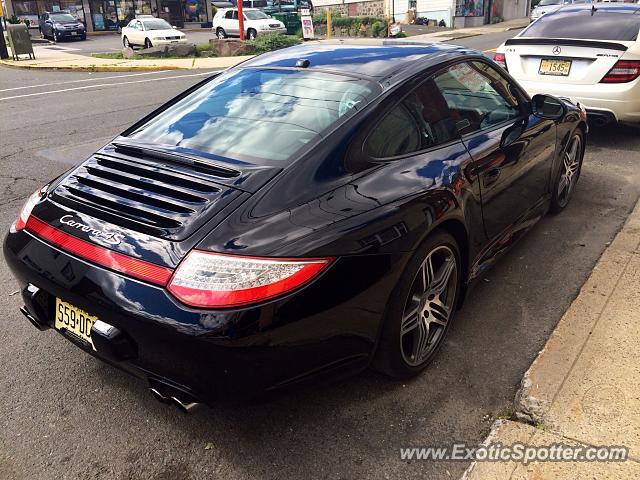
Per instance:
(155,197)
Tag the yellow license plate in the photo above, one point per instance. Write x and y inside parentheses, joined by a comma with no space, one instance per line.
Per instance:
(74,321)
(555,67)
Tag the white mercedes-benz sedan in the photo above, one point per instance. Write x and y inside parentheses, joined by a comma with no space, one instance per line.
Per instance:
(589,54)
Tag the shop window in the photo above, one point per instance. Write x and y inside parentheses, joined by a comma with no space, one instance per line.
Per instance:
(195,11)
(104,14)
(469,8)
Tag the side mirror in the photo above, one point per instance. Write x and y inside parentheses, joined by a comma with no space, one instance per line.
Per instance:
(547,107)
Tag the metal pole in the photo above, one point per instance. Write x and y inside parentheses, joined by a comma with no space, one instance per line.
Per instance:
(328,23)
(4,53)
(241,19)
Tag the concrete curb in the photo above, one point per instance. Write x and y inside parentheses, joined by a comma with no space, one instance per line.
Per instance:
(580,389)
(546,375)
(97,68)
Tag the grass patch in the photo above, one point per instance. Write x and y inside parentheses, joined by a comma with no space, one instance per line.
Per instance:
(110,55)
(202,47)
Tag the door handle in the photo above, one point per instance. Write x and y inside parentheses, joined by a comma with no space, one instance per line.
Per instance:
(491,177)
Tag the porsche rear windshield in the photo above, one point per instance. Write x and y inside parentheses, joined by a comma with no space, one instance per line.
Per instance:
(258,115)
(582,24)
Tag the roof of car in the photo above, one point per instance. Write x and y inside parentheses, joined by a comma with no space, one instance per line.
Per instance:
(599,8)
(377,61)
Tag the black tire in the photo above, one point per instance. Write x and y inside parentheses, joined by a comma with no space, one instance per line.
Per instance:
(147,43)
(220,33)
(561,196)
(125,42)
(391,356)
(251,34)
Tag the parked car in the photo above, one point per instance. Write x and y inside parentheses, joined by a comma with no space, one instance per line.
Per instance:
(591,55)
(61,25)
(149,31)
(226,23)
(307,213)
(546,6)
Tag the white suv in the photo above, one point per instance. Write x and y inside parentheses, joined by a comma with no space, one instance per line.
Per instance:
(226,23)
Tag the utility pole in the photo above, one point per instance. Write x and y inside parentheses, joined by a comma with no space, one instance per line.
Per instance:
(241,19)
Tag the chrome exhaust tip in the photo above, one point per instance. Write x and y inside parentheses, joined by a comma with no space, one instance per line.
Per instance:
(159,396)
(184,406)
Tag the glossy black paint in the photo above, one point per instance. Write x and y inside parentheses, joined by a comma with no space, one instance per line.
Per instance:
(486,189)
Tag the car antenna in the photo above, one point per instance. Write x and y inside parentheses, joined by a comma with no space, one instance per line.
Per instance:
(593,9)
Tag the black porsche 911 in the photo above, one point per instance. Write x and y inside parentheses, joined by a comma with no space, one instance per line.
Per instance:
(310,212)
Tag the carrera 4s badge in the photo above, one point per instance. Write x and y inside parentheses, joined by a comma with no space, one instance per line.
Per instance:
(109,237)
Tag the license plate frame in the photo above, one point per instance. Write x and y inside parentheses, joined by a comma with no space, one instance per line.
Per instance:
(75,322)
(550,66)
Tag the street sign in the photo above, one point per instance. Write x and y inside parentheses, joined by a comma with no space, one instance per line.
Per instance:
(307,27)
(20,41)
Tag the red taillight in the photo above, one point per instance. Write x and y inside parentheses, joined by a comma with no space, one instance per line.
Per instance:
(213,280)
(102,256)
(623,71)
(500,59)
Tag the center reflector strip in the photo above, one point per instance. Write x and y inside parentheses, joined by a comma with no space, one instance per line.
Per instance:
(119,262)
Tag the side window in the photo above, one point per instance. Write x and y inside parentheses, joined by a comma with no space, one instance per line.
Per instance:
(235,15)
(478,96)
(229,14)
(420,121)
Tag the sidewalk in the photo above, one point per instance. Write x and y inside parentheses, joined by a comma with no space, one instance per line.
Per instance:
(584,386)
(448,35)
(49,59)
(56,59)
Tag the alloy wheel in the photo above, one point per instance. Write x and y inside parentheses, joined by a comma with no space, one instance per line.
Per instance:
(221,34)
(126,43)
(252,34)
(569,170)
(147,43)
(429,307)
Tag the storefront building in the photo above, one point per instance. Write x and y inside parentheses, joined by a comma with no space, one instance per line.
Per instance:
(106,15)
(457,13)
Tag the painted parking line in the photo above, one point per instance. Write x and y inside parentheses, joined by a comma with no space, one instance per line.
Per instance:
(491,50)
(100,85)
(42,85)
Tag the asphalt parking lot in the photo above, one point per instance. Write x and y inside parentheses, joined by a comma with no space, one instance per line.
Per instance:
(66,415)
